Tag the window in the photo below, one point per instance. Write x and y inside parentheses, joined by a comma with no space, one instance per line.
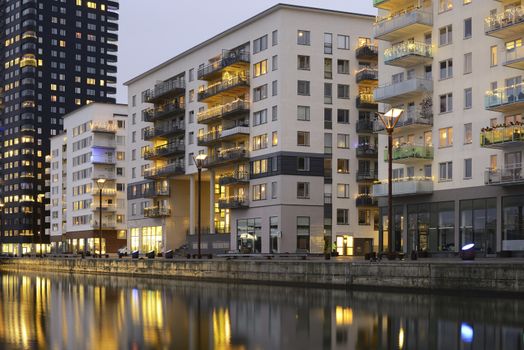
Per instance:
(274,88)
(274,190)
(343,116)
(302,190)
(468,133)
(446,103)
(259,192)
(302,163)
(328,43)
(328,143)
(343,42)
(364,217)
(303,88)
(328,118)
(260,44)
(343,141)
(303,37)
(328,68)
(303,113)
(274,138)
(446,137)
(468,171)
(343,166)
(260,68)
(468,98)
(446,69)
(260,93)
(493,162)
(274,63)
(343,66)
(343,91)
(259,142)
(328,93)
(274,38)
(343,191)
(493,55)
(274,113)
(466,2)
(446,171)
(302,138)
(260,166)
(303,230)
(342,216)
(468,63)
(303,62)
(260,117)
(191,74)
(467,28)
(445,5)
(446,35)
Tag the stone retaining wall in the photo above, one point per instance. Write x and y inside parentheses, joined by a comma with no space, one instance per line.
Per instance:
(503,277)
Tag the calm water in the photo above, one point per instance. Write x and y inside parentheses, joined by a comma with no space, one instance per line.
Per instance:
(104,313)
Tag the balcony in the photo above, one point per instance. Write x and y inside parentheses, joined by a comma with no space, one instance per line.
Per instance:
(365,126)
(166,90)
(227,156)
(367,76)
(106,224)
(405,187)
(408,54)
(409,154)
(230,59)
(166,111)
(515,58)
(233,202)
(366,101)
(103,175)
(403,24)
(229,87)
(398,92)
(105,207)
(166,171)
(103,159)
(156,212)
(108,128)
(506,100)
(367,175)
(505,177)
(503,137)
(365,200)
(392,4)
(164,151)
(367,52)
(411,120)
(506,25)
(223,135)
(106,192)
(228,110)
(163,132)
(157,191)
(234,178)
(367,151)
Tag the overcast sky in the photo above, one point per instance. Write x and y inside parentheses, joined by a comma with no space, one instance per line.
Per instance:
(154,31)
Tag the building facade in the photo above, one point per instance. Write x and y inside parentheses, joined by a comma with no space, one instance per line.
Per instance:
(56,57)
(282,107)
(88,182)
(455,67)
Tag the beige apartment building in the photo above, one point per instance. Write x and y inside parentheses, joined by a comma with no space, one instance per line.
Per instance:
(455,67)
(282,106)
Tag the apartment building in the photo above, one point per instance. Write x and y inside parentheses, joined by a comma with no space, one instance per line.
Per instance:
(56,56)
(88,183)
(455,68)
(282,107)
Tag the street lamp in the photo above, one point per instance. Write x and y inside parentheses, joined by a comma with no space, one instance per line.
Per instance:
(390,120)
(199,162)
(100,183)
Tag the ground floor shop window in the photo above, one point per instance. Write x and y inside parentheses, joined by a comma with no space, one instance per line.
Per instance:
(345,245)
(249,235)
(398,226)
(152,239)
(513,218)
(303,233)
(135,239)
(274,234)
(478,224)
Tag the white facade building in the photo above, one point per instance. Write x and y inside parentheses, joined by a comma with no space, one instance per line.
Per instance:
(272,102)
(455,67)
(90,155)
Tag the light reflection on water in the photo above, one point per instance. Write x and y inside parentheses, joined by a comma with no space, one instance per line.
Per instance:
(99,312)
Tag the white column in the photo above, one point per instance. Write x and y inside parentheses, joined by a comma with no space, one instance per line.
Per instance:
(212,202)
(191,204)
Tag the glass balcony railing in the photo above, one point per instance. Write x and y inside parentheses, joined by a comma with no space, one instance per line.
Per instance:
(227,156)
(405,187)
(503,25)
(410,119)
(229,58)
(502,136)
(233,202)
(366,101)
(507,176)
(367,52)
(172,169)
(163,131)
(103,160)
(399,91)
(403,24)
(232,108)
(224,134)
(166,150)
(365,126)
(366,75)
(408,54)
(156,212)
(506,99)
(104,127)
(365,151)
(515,58)
(366,200)
(165,111)
(406,153)
(234,177)
(224,85)
(367,174)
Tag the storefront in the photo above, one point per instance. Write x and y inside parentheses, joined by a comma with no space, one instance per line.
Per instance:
(146,239)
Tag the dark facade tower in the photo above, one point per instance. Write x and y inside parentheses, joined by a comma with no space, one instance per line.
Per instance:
(57,55)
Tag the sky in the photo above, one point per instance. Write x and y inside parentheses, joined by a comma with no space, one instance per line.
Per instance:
(154,31)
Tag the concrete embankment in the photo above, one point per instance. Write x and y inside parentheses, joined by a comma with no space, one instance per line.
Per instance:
(501,276)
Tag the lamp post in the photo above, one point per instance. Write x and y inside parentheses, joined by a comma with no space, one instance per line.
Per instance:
(390,120)
(199,162)
(100,183)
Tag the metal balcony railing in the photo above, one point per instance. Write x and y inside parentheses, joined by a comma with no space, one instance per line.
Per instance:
(223,110)
(224,85)
(172,169)
(228,58)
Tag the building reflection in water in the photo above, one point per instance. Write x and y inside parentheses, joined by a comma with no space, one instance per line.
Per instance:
(82,312)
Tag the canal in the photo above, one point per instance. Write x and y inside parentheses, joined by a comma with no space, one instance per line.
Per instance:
(103,313)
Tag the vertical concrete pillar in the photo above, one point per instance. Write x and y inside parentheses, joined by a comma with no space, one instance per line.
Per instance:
(212,201)
(191,204)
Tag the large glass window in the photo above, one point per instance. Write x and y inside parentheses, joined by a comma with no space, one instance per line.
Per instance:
(152,239)
(249,235)
(274,234)
(513,218)
(478,223)
(431,227)
(303,232)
